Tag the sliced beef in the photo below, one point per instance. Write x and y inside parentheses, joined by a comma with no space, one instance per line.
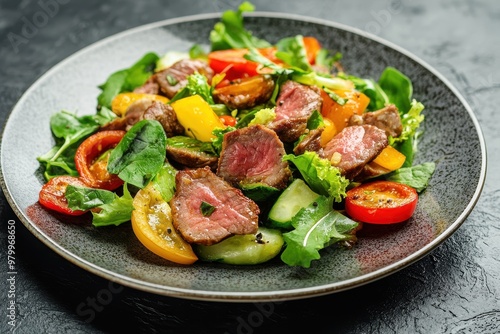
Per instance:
(165,114)
(151,86)
(188,152)
(353,147)
(253,155)
(245,93)
(132,115)
(174,78)
(199,189)
(311,142)
(370,170)
(387,119)
(294,106)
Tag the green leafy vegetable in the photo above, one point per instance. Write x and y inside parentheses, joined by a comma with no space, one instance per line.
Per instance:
(197,84)
(83,198)
(397,87)
(320,175)
(140,154)
(293,52)
(230,32)
(69,131)
(417,176)
(263,116)
(316,227)
(116,212)
(128,79)
(164,181)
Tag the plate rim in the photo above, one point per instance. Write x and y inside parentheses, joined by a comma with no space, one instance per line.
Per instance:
(228,296)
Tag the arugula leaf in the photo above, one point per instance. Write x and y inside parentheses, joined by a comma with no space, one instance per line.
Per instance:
(69,131)
(316,227)
(320,175)
(140,154)
(115,212)
(230,32)
(206,209)
(293,52)
(127,79)
(417,176)
(83,198)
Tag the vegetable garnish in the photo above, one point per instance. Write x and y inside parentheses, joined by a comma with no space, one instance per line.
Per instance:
(381,202)
(241,153)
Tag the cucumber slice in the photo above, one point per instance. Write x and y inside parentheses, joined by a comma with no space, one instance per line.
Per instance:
(296,196)
(246,249)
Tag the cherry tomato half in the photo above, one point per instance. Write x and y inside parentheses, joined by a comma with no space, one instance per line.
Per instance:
(381,202)
(52,195)
(91,159)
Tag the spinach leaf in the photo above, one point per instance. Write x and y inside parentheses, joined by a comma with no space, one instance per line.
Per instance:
(316,227)
(140,154)
(127,79)
(230,32)
(397,87)
(69,131)
(417,176)
(320,175)
(115,212)
(82,198)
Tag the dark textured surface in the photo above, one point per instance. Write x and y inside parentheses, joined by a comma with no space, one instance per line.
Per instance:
(453,290)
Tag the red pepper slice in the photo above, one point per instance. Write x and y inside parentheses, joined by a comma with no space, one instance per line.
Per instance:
(52,194)
(91,160)
(381,202)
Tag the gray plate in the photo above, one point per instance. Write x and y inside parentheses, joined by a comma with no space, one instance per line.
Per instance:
(452,139)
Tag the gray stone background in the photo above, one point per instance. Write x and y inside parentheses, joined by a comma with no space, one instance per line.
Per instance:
(455,289)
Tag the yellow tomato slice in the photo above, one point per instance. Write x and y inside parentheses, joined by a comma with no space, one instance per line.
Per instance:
(152,225)
(122,101)
(356,104)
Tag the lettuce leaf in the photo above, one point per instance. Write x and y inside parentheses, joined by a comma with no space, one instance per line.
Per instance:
(320,175)
(316,227)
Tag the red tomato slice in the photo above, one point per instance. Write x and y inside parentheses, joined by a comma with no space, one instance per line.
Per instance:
(91,160)
(52,197)
(381,202)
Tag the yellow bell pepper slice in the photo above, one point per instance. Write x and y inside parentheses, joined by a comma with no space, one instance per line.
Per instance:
(197,117)
(390,158)
(122,101)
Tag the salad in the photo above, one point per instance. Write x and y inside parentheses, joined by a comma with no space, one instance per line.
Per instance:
(241,153)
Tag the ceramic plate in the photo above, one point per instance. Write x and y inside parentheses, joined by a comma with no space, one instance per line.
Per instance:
(452,139)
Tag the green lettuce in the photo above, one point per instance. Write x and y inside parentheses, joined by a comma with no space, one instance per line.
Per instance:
(320,175)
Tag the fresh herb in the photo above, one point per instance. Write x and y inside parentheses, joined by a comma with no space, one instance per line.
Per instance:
(140,154)
(315,227)
(293,52)
(206,209)
(127,80)
(335,97)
